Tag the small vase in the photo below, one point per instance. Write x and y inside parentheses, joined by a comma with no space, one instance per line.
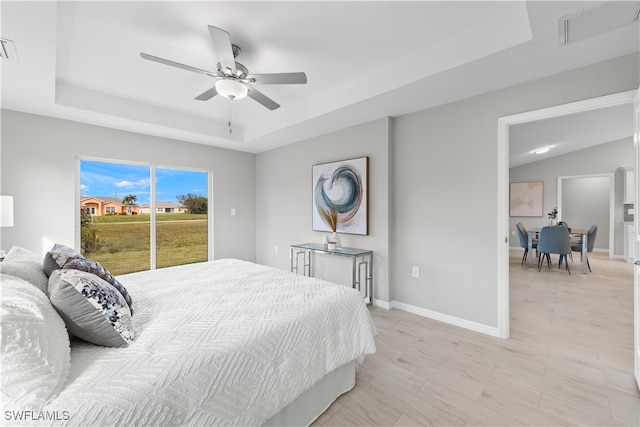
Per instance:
(334,239)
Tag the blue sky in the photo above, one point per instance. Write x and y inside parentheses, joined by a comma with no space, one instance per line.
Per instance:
(118,180)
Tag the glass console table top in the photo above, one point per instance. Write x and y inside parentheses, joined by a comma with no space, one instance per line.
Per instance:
(318,247)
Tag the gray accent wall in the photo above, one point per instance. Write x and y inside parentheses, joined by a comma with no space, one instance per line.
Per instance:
(446,189)
(284,201)
(442,191)
(39,169)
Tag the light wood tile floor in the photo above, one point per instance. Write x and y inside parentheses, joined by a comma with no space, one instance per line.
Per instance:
(568,361)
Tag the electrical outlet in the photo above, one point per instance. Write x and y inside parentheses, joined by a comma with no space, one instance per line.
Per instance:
(415,271)
(275,248)
(513,233)
(233,212)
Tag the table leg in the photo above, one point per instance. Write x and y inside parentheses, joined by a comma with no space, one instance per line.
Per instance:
(370,281)
(530,249)
(358,262)
(585,238)
(294,255)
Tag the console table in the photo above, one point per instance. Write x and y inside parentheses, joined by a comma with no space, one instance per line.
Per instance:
(361,258)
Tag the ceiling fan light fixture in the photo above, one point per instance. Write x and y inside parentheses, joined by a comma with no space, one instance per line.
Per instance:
(231,89)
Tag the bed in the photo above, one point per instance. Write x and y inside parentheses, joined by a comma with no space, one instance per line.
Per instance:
(226,342)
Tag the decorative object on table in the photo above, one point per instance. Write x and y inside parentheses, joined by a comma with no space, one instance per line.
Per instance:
(525,198)
(553,217)
(335,239)
(325,241)
(340,196)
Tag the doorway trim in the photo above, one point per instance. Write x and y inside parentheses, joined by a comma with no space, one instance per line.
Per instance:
(503,182)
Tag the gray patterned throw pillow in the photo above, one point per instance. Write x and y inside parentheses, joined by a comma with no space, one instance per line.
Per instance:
(91,308)
(93,267)
(57,257)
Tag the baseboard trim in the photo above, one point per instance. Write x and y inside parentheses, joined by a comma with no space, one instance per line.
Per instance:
(381,304)
(446,318)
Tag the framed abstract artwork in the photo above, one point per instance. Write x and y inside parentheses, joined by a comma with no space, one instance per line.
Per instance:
(340,196)
(526,198)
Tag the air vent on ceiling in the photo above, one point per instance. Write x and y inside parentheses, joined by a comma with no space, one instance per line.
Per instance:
(597,20)
(8,49)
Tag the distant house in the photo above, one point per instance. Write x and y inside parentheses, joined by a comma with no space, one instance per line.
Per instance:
(163,207)
(99,206)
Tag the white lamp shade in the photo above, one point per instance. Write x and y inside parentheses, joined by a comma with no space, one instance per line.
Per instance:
(231,89)
(6,211)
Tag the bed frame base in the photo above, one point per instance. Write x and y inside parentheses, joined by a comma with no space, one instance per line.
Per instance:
(313,402)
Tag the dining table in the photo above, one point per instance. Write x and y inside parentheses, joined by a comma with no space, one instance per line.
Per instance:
(531,233)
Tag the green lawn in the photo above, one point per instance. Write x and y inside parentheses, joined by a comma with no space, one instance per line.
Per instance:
(125,246)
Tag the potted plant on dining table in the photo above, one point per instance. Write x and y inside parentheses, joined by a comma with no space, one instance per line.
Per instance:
(553,217)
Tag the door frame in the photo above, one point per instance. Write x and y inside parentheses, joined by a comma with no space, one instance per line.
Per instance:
(503,182)
(636,224)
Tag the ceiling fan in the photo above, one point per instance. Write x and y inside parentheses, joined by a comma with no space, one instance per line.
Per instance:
(233,79)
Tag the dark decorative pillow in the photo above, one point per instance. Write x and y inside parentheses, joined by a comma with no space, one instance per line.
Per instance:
(93,267)
(91,308)
(57,257)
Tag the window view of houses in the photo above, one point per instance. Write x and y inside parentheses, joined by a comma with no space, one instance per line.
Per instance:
(116,216)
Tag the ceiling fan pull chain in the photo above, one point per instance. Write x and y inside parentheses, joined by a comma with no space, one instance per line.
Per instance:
(229,122)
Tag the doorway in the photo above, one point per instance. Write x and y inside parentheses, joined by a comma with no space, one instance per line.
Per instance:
(504,124)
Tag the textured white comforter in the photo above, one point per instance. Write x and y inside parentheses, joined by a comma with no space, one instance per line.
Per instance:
(221,343)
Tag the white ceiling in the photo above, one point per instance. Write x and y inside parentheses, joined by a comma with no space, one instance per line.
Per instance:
(569,133)
(364,60)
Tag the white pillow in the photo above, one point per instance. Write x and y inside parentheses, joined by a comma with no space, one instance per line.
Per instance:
(35,352)
(26,265)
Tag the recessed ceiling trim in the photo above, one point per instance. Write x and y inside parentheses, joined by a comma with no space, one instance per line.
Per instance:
(596,20)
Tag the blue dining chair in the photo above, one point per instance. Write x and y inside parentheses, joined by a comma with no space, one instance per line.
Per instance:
(554,240)
(524,241)
(591,238)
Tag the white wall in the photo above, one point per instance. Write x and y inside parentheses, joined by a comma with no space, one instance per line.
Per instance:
(39,170)
(600,159)
(284,201)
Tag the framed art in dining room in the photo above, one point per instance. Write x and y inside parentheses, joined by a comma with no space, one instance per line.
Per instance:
(526,198)
(340,196)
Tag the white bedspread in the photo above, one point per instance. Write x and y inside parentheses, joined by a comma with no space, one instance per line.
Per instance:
(220,343)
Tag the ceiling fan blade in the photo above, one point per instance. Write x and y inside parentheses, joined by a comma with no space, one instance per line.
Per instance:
(262,98)
(224,51)
(207,95)
(278,78)
(176,64)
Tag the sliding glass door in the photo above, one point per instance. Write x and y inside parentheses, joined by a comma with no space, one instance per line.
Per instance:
(181,217)
(138,217)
